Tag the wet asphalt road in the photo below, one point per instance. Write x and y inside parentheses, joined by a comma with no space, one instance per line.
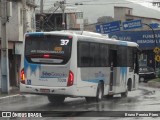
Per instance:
(143,99)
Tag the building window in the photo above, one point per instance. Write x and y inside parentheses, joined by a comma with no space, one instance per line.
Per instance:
(129,12)
(79,15)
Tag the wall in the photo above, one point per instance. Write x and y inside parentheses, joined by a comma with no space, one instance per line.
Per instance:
(120,13)
(13,24)
(30,19)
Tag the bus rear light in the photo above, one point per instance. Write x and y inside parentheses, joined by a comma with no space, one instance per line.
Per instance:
(46,56)
(22,76)
(70,78)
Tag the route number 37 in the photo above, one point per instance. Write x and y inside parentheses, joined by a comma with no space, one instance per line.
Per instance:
(64,42)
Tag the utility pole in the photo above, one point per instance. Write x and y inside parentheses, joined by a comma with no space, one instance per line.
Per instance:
(41,16)
(4,49)
(24,17)
(63,6)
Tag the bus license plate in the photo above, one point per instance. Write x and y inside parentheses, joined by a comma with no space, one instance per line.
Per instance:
(45,90)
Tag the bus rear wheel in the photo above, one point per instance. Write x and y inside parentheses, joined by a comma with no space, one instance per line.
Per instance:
(109,96)
(124,94)
(89,99)
(56,99)
(100,91)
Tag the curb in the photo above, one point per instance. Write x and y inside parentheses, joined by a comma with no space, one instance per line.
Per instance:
(15,97)
(11,97)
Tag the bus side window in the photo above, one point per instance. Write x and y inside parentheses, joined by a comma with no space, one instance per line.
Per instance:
(83,54)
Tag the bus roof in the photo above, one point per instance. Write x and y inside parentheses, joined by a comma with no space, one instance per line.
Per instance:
(103,37)
(87,34)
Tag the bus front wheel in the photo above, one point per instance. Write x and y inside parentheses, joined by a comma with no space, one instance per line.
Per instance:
(56,99)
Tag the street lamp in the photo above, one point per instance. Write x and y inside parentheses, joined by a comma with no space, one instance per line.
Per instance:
(153,33)
(155,44)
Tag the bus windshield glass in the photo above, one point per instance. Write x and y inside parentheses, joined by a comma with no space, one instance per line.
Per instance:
(48,49)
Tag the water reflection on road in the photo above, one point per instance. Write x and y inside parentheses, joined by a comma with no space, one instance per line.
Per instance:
(143,99)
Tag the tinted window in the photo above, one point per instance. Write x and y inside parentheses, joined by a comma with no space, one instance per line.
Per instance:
(94,55)
(83,54)
(48,49)
(122,56)
(104,55)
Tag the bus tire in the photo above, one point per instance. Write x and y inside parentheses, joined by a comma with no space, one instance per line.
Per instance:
(100,91)
(56,99)
(129,85)
(89,99)
(124,94)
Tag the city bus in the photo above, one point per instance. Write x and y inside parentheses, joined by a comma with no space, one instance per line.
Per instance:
(62,64)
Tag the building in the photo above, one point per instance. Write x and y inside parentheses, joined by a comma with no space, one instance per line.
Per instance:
(147,37)
(53,20)
(126,14)
(15,34)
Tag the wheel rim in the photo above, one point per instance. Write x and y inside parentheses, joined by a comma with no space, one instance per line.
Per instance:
(142,79)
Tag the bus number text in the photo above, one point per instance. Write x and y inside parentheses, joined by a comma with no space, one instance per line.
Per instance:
(64,42)
(61,80)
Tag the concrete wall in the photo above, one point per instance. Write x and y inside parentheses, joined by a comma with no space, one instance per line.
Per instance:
(120,13)
(15,24)
(73,22)
(30,19)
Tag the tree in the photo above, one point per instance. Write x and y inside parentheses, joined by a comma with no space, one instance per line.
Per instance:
(105,19)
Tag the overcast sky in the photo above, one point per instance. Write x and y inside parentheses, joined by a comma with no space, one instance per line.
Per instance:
(94,9)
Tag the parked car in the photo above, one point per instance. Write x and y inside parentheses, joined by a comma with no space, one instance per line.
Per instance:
(157,71)
(146,73)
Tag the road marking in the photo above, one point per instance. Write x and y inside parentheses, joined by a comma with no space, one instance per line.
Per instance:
(9,96)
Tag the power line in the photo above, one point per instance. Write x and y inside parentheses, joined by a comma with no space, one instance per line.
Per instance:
(51,15)
(100,3)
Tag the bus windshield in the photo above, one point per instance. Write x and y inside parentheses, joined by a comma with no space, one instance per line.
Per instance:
(48,49)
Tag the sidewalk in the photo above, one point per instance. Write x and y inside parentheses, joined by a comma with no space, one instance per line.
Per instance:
(14,93)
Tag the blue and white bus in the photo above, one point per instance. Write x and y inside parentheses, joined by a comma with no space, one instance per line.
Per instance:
(64,64)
